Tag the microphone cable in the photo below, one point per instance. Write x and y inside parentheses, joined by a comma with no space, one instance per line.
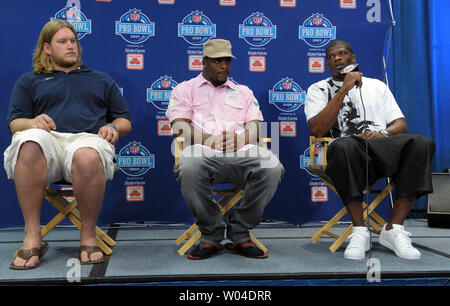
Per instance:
(367,180)
(347,69)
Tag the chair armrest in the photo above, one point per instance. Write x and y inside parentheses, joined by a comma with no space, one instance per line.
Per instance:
(265,142)
(178,148)
(312,150)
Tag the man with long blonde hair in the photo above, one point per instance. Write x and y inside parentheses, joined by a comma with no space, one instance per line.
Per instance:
(65,119)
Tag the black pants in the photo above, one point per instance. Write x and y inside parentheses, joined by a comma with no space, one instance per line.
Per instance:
(406,158)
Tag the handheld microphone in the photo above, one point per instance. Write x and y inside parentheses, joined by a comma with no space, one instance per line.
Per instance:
(350,68)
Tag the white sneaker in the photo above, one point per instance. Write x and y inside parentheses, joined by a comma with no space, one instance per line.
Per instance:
(397,239)
(359,243)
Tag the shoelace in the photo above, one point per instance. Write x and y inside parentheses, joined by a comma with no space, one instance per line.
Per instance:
(402,240)
(359,239)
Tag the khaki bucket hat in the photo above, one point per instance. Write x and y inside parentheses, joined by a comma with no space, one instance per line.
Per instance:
(215,48)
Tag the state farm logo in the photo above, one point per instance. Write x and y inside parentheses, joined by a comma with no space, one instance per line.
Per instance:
(227,2)
(288,3)
(69,199)
(347,4)
(195,62)
(135,61)
(316,64)
(319,194)
(257,63)
(288,128)
(135,193)
(166,1)
(164,128)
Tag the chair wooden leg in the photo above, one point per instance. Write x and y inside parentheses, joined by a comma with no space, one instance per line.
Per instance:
(226,202)
(325,229)
(100,234)
(70,212)
(230,204)
(188,244)
(104,237)
(187,234)
(339,241)
(258,243)
(370,216)
(57,219)
(380,221)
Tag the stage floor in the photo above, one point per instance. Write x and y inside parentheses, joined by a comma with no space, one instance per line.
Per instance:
(146,254)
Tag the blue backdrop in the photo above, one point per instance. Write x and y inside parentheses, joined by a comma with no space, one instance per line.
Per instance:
(150,46)
(419,73)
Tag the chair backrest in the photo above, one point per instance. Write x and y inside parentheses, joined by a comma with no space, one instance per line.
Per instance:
(320,163)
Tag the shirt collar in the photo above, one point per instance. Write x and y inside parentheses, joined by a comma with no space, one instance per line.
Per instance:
(82,68)
(335,83)
(202,81)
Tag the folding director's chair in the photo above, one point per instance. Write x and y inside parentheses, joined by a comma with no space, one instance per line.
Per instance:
(64,201)
(228,198)
(317,167)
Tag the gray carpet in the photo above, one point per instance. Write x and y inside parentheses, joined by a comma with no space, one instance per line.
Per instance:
(147,253)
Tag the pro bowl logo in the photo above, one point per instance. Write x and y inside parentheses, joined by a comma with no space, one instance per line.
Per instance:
(159,92)
(134,159)
(257,30)
(317,31)
(287,95)
(72,13)
(305,159)
(135,27)
(196,28)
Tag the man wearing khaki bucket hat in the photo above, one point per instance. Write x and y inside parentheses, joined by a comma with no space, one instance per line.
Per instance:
(220,123)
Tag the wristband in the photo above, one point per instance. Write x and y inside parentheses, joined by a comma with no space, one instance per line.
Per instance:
(113,126)
(384,132)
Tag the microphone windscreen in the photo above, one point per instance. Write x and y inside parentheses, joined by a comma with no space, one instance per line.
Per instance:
(350,68)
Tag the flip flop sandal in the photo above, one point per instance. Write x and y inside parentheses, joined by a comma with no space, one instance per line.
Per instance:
(26,254)
(89,249)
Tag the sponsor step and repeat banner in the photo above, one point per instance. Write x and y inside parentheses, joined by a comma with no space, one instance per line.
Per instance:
(150,46)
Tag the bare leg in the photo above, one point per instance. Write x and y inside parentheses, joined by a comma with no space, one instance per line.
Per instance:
(88,181)
(402,206)
(355,210)
(30,177)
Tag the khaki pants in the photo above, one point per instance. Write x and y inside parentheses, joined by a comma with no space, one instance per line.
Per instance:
(58,149)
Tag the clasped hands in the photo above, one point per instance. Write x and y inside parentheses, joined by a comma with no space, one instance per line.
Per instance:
(227,141)
(369,134)
(45,122)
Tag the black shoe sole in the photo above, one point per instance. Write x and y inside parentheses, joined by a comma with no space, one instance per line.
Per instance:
(212,252)
(242,251)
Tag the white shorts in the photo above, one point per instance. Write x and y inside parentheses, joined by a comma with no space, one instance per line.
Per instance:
(58,150)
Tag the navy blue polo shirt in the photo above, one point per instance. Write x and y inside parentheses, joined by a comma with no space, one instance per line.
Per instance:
(82,100)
